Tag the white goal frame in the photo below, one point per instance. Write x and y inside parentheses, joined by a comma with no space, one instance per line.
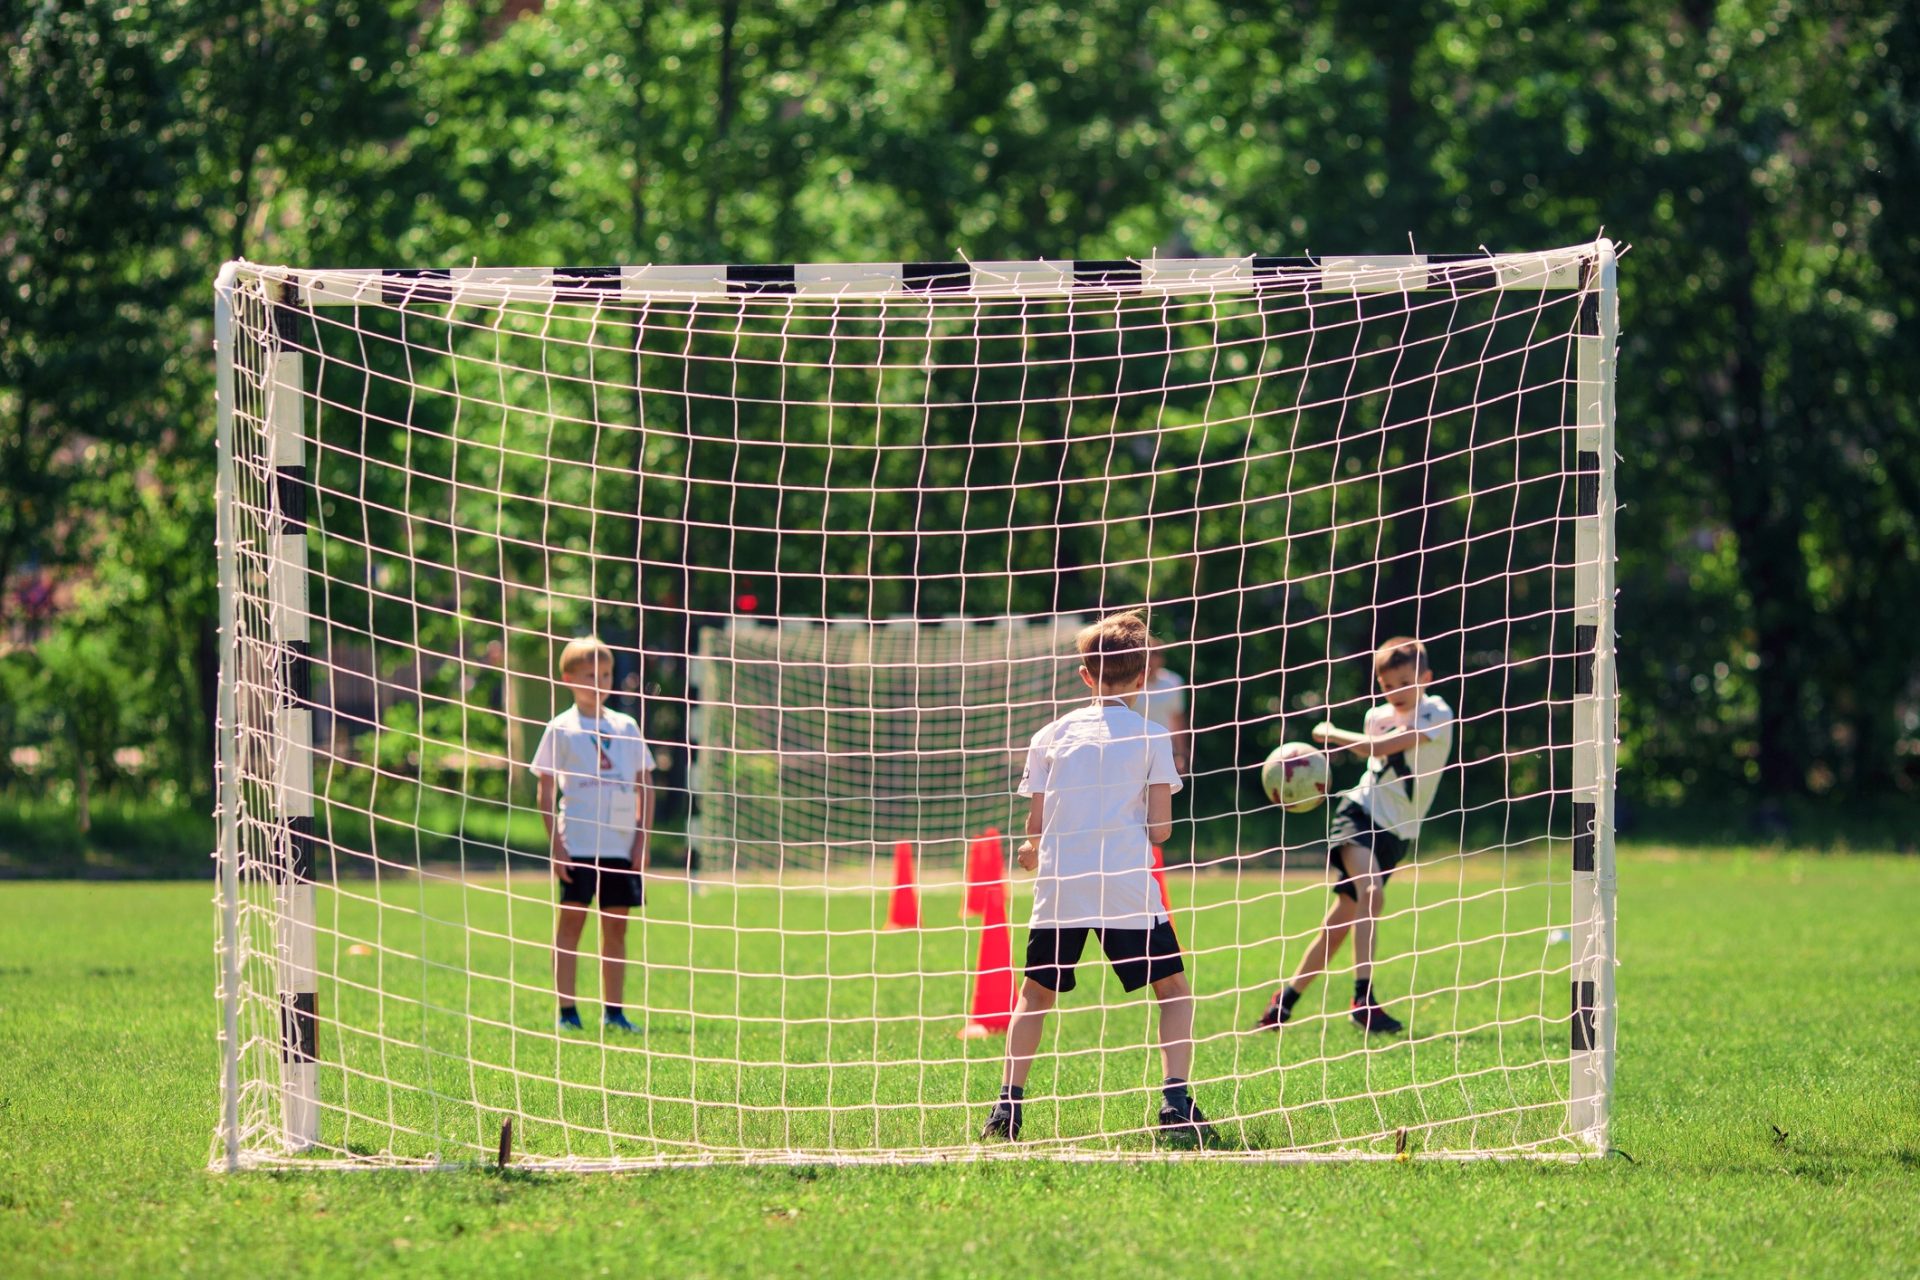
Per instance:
(289,603)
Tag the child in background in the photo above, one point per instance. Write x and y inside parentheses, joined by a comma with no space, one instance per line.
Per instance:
(597,762)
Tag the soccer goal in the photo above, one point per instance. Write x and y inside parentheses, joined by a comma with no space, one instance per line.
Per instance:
(838,526)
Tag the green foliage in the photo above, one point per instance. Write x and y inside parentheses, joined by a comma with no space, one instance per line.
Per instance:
(1756,158)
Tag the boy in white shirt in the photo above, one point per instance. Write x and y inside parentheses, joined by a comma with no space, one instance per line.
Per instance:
(598,763)
(1101,783)
(1163,700)
(1406,744)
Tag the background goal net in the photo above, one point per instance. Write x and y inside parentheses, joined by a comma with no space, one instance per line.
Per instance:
(839,525)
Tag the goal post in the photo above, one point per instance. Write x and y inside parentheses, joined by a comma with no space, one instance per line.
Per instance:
(838,524)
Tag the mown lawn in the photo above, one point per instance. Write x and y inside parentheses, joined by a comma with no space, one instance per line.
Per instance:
(1768,1093)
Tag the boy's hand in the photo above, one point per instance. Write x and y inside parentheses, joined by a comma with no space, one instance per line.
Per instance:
(1027,855)
(1325,734)
(560,860)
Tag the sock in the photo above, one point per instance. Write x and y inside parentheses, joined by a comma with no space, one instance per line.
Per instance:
(1174,1090)
(1363,991)
(570,1011)
(1289,998)
(1013,1093)
(614,1011)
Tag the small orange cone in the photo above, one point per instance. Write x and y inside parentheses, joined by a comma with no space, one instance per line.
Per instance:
(904,911)
(992,1011)
(986,865)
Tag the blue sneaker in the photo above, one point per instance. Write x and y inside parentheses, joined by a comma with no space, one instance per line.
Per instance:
(570,1021)
(618,1022)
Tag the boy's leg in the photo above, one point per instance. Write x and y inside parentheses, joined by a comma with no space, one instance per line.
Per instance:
(1369,886)
(1363,872)
(1175,998)
(1326,943)
(566,949)
(613,957)
(1023,1033)
(1181,1120)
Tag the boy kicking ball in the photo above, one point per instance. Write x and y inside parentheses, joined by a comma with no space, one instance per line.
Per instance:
(1406,744)
(598,763)
(1101,781)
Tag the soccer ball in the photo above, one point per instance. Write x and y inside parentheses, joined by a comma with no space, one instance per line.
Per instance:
(1295,777)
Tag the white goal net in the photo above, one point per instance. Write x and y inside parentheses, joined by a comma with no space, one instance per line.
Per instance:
(837,527)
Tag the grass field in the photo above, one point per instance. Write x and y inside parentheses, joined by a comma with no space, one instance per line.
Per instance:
(1768,1093)
(780,1017)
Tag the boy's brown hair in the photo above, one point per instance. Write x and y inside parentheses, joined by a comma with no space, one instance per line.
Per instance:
(1114,649)
(1401,651)
(582,648)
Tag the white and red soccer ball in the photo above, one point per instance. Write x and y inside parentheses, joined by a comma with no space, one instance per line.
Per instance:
(1295,777)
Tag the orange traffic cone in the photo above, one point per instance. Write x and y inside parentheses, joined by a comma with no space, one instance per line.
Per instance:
(992,1009)
(1160,878)
(986,865)
(904,911)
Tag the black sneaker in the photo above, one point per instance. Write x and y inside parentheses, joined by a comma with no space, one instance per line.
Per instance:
(1003,1123)
(1185,1127)
(1374,1020)
(1277,1013)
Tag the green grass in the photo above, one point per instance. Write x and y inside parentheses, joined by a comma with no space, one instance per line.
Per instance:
(783,1019)
(1761,996)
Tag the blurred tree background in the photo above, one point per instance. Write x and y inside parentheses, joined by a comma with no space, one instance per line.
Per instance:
(1761,159)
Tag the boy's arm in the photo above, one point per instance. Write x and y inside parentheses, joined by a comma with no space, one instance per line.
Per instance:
(1159,812)
(1028,854)
(555,847)
(644,812)
(1361,745)
(1182,741)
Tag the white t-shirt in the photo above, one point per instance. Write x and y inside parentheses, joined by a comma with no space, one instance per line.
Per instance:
(1164,698)
(1397,790)
(599,762)
(1093,767)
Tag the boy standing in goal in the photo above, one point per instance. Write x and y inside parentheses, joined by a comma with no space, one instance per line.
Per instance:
(598,763)
(1101,781)
(1406,743)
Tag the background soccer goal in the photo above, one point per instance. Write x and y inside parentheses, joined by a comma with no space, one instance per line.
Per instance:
(838,524)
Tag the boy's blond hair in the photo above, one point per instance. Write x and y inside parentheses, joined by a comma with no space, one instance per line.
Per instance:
(1114,649)
(580,649)
(1401,651)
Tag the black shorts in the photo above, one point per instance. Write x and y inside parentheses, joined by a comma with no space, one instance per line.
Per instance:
(1138,956)
(1354,825)
(616,883)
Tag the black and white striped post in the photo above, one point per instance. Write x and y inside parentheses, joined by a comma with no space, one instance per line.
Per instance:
(289,621)
(1594,718)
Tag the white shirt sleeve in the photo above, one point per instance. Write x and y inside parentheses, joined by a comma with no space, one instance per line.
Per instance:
(1160,759)
(544,764)
(1435,720)
(1033,780)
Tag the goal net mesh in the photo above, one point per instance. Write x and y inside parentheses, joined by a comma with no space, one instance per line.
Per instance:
(839,526)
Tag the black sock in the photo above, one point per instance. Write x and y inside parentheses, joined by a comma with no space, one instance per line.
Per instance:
(1012,1093)
(1363,991)
(614,1011)
(570,1011)
(1174,1090)
(1289,998)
